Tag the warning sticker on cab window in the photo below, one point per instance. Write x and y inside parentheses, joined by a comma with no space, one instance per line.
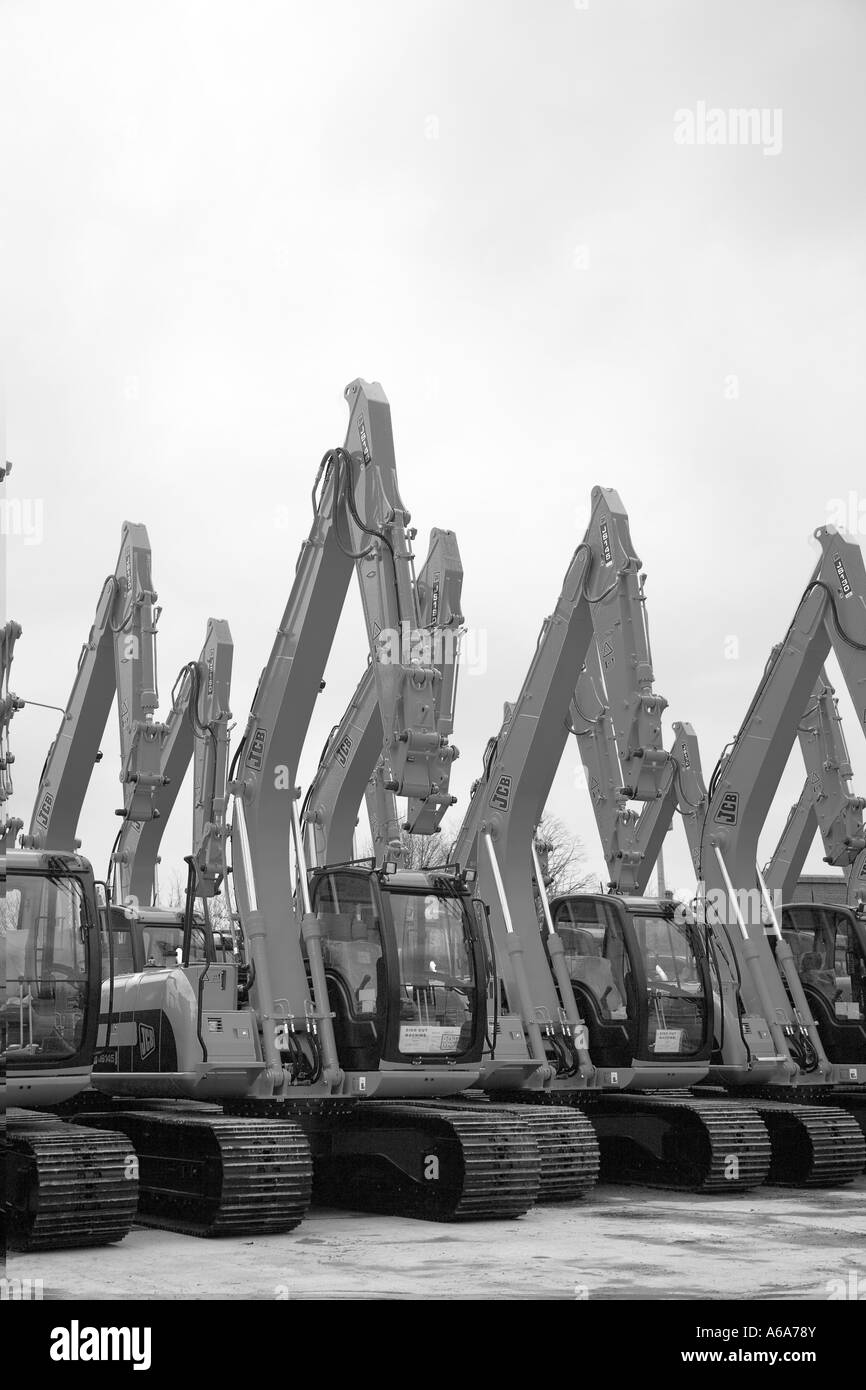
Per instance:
(422,1037)
(668,1040)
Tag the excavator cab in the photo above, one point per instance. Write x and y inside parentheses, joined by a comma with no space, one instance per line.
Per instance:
(403,966)
(152,939)
(828,943)
(48,915)
(640,976)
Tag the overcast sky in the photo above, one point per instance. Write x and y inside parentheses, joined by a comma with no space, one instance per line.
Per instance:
(217,214)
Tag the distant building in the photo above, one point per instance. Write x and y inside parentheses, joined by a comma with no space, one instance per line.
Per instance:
(822,888)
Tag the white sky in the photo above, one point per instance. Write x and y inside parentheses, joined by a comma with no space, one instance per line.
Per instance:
(217,214)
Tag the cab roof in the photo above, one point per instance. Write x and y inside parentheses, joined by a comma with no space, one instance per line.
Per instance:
(52,860)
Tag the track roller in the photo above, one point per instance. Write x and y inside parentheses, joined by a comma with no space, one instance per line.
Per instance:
(568,1150)
(213,1175)
(432,1162)
(854,1102)
(813,1145)
(680,1143)
(65,1186)
(673,1142)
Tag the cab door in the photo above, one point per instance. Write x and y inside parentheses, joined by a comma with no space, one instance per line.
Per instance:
(831,962)
(117,1038)
(354,959)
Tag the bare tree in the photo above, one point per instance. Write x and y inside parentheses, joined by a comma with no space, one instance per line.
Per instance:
(429,851)
(560,852)
(172,892)
(561,855)
(419,851)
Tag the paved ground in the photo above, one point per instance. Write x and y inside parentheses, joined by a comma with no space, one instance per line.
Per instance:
(622,1243)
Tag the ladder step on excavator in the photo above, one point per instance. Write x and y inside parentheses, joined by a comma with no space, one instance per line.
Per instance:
(206,1174)
(65,1186)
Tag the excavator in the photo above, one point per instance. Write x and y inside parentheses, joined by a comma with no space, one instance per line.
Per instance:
(63,1185)
(351,767)
(170,1023)
(767,1045)
(391,1004)
(828,941)
(339,1022)
(614,994)
(543,1045)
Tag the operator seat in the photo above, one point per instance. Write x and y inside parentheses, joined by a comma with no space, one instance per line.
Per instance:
(591,969)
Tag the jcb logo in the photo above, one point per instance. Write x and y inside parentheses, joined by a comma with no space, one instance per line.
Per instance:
(729,810)
(44,811)
(146,1040)
(502,793)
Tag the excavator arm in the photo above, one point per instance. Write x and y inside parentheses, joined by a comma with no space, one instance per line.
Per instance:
(10,704)
(118,657)
(601,603)
(497,835)
(831,615)
(826,802)
(624,667)
(195,730)
(359,523)
(632,840)
(352,764)
(616,715)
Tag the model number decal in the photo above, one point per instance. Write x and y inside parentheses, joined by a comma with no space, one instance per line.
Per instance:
(606,553)
(842,573)
(434,600)
(362,435)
